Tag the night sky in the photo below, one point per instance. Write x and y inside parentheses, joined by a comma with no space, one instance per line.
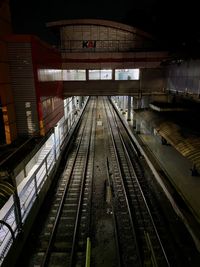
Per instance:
(175,23)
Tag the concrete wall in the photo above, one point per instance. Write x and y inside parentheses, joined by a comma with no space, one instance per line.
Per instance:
(184,77)
(153,79)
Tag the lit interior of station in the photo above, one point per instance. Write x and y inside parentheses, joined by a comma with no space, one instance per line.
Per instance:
(45,93)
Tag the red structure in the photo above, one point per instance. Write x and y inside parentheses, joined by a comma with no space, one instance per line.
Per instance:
(34,69)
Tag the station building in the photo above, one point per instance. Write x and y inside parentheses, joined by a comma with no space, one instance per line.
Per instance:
(38,99)
(43,91)
(109,58)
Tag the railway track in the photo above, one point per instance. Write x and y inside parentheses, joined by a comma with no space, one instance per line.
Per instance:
(138,238)
(139,235)
(64,236)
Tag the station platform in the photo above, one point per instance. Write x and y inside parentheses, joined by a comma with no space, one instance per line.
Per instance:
(177,169)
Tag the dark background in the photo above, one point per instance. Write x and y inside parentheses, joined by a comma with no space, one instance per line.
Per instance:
(175,23)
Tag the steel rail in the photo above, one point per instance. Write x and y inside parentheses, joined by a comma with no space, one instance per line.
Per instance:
(138,184)
(114,219)
(144,199)
(58,214)
(124,191)
(81,197)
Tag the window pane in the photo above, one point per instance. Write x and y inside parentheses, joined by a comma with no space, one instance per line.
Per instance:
(127,74)
(100,74)
(74,75)
(106,74)
(94,74)
(49,75)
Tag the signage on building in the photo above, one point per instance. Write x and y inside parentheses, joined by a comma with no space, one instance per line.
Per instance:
(89,44)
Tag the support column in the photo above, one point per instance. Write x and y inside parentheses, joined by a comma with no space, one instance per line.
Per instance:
(129,109)
(134,117)
(118,102)
(113,75)
(139,102)
(145,102)
(73,103)
(123,104)
(80,102)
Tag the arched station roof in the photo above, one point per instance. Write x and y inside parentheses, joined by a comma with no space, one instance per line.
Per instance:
(100,22)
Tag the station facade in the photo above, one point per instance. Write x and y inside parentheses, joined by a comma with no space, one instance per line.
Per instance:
(111,55)
(42,88)
(95,57)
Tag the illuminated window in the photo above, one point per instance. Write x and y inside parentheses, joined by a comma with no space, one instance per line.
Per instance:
(127,74)
(94,75)
(74,75)
(45,75)
(106,74)
(100,74)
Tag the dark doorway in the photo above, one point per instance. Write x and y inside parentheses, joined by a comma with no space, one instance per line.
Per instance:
(2,131)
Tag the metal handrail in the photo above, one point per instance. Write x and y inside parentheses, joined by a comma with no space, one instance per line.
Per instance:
(29,199)
(9,227)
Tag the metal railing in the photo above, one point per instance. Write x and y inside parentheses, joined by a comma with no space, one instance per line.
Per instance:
(15,211)
(27,197)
